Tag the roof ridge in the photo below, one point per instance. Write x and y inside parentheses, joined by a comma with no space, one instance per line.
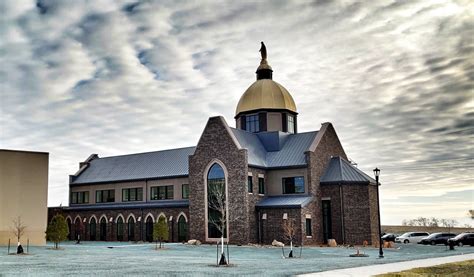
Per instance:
(149,152)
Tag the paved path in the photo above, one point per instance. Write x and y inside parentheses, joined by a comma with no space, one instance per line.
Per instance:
(391,267)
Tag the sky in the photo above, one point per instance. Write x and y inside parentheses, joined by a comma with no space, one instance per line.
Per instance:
(117,77)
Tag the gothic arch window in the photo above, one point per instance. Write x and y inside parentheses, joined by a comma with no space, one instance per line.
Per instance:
(216,202)
(93,228)
(103,228)
(131,228)
(149,229)
(182,228)
(69,226)
(120,228)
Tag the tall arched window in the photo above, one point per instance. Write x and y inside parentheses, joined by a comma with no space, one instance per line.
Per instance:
(131,229)
(93,229)
(77,228)
(182,228)
(103,229)
(120,229)
(216,202)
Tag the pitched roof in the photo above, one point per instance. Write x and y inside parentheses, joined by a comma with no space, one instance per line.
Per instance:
(341,171)
(284,201)
(275,149)
(158,164)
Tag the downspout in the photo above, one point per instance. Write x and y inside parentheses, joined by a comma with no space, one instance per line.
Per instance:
(259,228)
(341,197)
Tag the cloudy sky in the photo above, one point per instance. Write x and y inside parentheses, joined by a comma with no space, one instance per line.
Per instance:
(116,77)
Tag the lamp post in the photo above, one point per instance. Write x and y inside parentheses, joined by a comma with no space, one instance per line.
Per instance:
(377,174)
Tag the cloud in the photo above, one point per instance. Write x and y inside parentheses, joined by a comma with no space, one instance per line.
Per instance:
(116,77)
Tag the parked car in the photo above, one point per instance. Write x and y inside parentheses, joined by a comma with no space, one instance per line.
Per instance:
(437,238)
(389,237)
(462,239)
(412,237)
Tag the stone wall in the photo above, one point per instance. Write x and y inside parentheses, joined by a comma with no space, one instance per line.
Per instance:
(327,145)
(217,144)
(272,226)
(253,199)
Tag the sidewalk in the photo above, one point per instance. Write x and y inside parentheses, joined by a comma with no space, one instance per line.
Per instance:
(391,267)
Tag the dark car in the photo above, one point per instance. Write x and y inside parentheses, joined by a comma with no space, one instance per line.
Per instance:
(389,237)
(462,239)
(437,238)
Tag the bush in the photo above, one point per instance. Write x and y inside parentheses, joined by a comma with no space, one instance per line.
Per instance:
(57,230)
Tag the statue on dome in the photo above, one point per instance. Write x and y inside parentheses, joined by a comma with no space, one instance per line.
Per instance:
(263,51)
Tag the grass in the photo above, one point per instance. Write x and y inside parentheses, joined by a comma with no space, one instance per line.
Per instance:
(465,268)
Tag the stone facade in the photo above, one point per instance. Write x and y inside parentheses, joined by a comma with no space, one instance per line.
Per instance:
(217,145)
(80,222)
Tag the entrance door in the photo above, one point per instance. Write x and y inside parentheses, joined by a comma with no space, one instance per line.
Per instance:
(92,229)
(182,229)
(327,222)
(149,229)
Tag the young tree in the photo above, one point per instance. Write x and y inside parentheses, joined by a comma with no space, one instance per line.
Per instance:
(160,230)
(217,202)
(57,230)
(18,228)
(289,232)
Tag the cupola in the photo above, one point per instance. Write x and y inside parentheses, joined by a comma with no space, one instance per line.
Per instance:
(266,105)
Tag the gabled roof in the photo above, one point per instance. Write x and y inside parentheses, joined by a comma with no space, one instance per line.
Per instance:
(151,165)
(275,149)
(284,201)
(341,171)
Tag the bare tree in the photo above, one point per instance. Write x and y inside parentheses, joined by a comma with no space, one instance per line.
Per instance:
(217,202)
(289,232)
(18,228)
(448,223)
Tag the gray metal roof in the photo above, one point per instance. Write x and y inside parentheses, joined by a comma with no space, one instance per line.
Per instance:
(128,205)
(284,201)
(159,164)
(275,149)
(341,171)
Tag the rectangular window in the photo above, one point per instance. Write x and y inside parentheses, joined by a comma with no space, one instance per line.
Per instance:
(293,185)
(249,184)
(162,193)
(81,197)
(252,123)
(185,191)
(291,124)
(261,185)
(308,227)
(132,194)
(103,196)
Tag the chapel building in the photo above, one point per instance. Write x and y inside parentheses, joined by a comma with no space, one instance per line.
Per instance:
(265,172)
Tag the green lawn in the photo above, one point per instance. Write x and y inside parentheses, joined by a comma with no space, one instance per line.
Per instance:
(465,268)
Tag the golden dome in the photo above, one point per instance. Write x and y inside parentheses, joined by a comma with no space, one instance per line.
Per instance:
(265,94)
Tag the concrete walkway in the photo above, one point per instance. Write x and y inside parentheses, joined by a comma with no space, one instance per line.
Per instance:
(392,267)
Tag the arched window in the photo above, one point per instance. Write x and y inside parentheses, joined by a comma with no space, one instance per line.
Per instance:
(149,229)
(93,229)
(216,202)
(103,228)
(131,228)
(120,229)
(69,227)
(182,228)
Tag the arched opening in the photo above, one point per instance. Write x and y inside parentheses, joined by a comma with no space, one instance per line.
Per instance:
(69,227)
(120,229)
(182,229)
(131,229)
(103,229)
(149,229)
(93,229)
(77,228)
(216,202)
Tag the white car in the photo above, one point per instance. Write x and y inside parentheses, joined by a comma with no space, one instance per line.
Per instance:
(412,237)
